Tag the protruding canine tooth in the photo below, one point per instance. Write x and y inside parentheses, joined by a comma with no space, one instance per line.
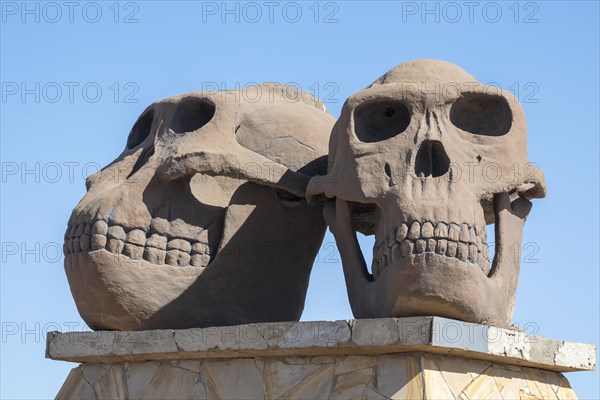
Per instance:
(100,227)
(464,233)
(415,230)
(453,232)
(202,236)
(85,242)
(451,249)
(420,246)
(132,251)
(427,230)
(431,244)
(406,248)
(200,260)
(116,232)
(98,241)
(441,247)
(177,258)
(154,256)
(485,251)
(179,244)
(160,225)
(401,233)
(484,265)
(462,252)
(157,241)
(137,237)
(473,253)
(441,230)
(115,245)
(202,248)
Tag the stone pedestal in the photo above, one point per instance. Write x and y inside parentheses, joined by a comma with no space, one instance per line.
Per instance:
(405,358)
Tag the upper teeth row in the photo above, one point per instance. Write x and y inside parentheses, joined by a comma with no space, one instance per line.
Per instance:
(439,230)
(136,244)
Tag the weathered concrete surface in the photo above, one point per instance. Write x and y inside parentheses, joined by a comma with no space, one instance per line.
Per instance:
(371,337)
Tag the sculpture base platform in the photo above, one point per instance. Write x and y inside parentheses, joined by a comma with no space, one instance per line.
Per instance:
(404,358)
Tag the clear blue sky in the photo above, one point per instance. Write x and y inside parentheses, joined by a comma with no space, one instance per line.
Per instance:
(57,125)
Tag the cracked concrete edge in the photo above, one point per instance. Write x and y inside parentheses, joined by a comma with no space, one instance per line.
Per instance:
(313,338)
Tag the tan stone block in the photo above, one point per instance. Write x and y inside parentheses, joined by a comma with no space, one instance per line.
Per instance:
(371,394)
(76,387)
(566,393)
(93,372)
(558,383)
(190,365)
(112,384)
(346,364)
(510,381)
(355,392)
(436,386)
(458,372)
(399,377)
(138,376)
(360,377)
(537,384)
(315,386)
(280,378)
(219,375)
(171,383)
(199,392)
(482,387)
(525,396)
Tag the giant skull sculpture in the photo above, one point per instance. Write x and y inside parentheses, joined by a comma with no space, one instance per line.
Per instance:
(201,220)
(424,158)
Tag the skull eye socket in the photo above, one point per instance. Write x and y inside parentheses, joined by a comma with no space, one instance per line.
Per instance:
(380,120)
(192,114)
(482,114)
(141,129)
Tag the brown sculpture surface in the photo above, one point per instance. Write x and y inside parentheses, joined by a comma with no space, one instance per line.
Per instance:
(201,221)
(425,158)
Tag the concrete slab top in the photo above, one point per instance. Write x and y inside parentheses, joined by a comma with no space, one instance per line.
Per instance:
(313,338)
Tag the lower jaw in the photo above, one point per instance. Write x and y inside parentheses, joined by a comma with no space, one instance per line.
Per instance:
(431,284)
(113,291)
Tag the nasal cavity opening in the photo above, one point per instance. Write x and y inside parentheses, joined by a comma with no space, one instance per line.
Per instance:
(432,159)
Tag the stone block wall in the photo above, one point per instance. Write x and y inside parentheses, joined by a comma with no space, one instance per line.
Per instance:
(396,376)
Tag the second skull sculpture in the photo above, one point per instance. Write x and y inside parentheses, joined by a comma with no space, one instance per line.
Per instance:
(425,158)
